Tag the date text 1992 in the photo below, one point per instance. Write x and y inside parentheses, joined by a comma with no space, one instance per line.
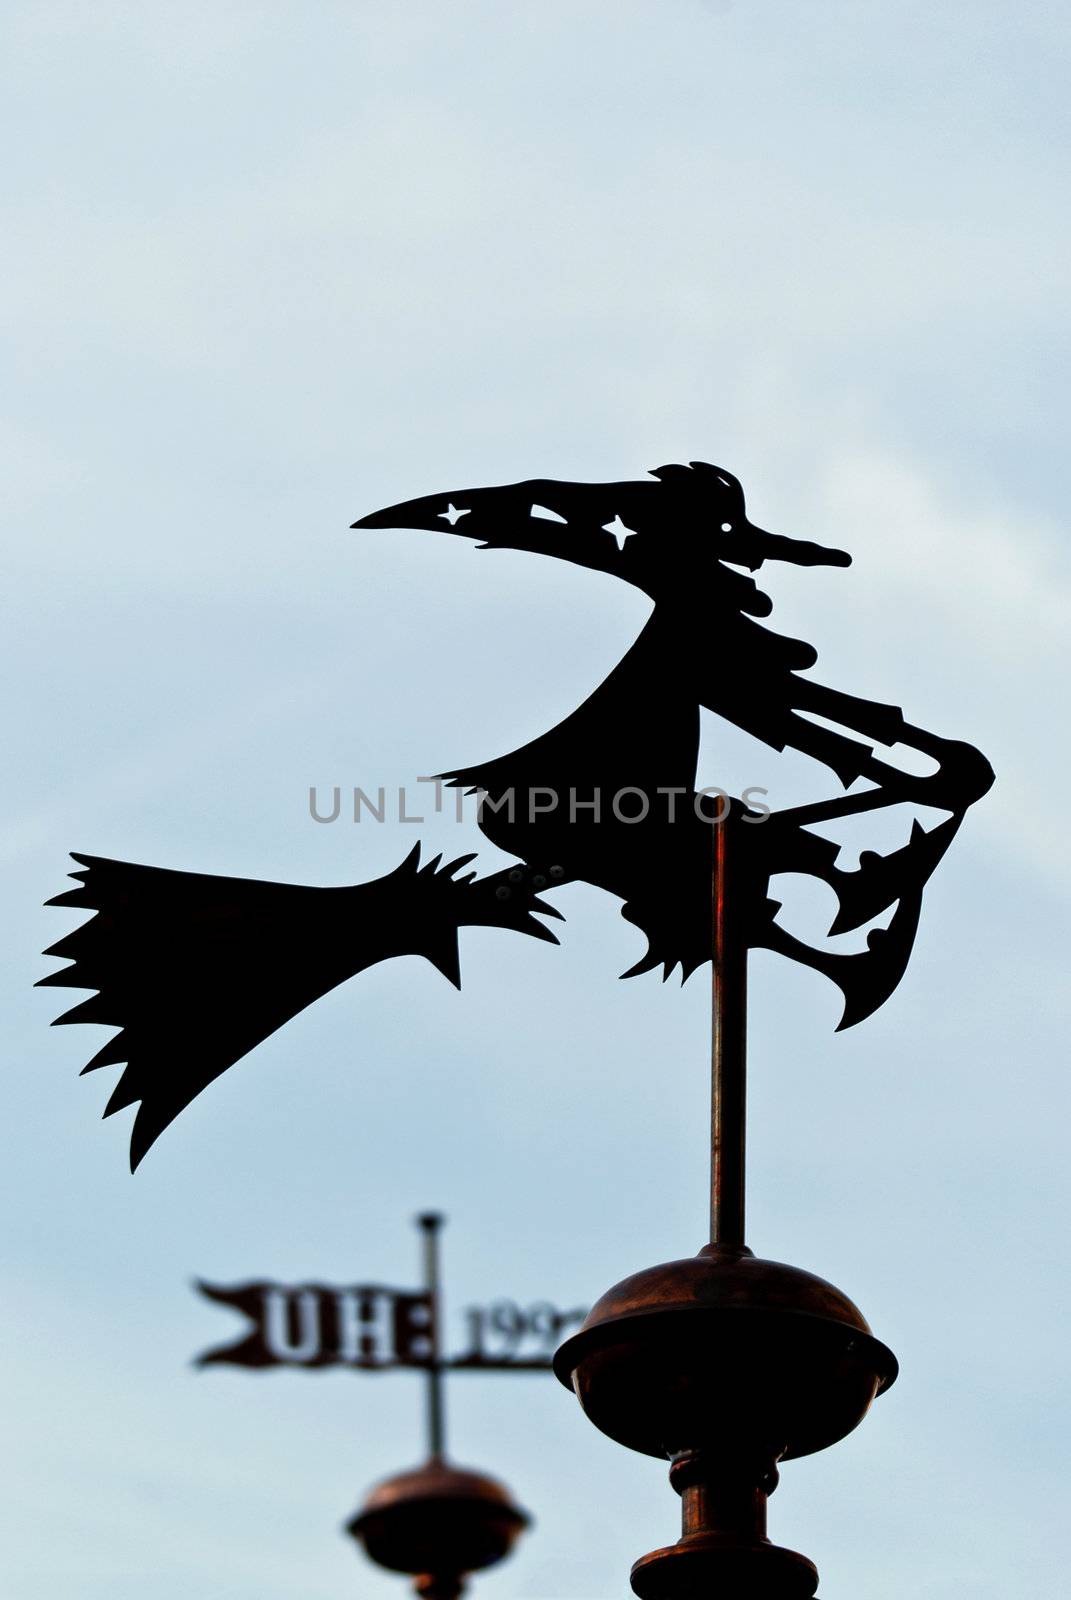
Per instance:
(507,1334)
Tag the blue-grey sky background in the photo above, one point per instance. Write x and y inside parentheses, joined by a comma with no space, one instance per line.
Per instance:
(270,266)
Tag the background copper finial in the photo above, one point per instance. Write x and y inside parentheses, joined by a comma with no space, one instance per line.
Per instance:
(437,1522)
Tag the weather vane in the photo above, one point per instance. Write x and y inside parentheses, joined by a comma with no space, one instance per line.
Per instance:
(437,1522)
(371,1327)
(724,1363)
(195,970)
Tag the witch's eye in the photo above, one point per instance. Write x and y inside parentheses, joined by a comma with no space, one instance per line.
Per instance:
(726,527)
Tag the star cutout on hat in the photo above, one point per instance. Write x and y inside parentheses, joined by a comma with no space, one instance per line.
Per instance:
(619,531)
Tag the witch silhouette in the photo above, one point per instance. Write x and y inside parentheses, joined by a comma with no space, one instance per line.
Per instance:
(196,970)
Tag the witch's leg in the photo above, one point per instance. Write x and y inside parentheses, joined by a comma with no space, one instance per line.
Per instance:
(771,713)
(963,773)
(867,978)
(878,881)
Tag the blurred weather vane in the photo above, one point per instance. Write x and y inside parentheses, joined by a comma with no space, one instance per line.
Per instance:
(438,1522)
(195,970)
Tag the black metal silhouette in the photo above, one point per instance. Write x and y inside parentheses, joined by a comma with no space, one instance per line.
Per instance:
(608,797)
(680,538)
(195,970)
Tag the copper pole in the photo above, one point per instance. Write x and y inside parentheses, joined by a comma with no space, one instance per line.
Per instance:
(728,1099)
(430,1222)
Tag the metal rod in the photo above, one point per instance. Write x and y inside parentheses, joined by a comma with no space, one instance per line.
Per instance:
(436,1586)
(431,1222)
(728,1097)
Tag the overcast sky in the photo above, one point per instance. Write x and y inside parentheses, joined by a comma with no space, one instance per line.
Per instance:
(270,266)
